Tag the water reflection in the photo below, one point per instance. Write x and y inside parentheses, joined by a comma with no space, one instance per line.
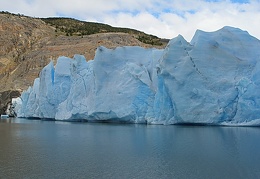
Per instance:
(19,120)
(56,149)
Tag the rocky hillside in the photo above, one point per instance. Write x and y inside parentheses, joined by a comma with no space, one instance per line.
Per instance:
(27,44)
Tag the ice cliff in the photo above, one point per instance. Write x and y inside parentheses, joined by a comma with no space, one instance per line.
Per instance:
(214,79)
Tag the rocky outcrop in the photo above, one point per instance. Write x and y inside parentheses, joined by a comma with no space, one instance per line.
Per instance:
(6,98)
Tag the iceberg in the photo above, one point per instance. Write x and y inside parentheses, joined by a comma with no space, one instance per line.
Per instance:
(214,79)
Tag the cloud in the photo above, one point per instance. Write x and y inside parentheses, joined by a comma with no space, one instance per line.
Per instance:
(165,18)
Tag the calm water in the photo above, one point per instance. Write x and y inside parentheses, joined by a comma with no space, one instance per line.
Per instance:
(49,149)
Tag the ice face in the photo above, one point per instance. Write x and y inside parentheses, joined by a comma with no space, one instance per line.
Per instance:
(202,79)
(214,79)
(120,90)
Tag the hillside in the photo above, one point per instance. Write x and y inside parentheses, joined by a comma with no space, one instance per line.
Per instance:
(72,27)
(28,44)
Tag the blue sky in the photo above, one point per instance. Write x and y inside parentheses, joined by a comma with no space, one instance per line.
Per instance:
(163,18)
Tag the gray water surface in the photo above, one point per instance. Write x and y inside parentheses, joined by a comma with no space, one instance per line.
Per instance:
(51,149)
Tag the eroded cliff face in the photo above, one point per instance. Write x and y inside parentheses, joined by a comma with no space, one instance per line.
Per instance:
(27,44)
(6,98)
(20,38)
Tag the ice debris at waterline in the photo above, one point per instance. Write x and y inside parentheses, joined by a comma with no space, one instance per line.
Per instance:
(214,79)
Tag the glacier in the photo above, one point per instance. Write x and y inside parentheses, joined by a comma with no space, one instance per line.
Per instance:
(214,79)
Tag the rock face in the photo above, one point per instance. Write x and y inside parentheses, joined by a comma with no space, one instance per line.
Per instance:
(212,80)
(6,98)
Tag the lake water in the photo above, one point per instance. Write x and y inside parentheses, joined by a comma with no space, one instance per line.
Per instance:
(51,149)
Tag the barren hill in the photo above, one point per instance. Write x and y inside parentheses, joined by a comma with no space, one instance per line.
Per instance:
(27,44)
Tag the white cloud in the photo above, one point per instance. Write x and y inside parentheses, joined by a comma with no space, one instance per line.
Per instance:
(165,18)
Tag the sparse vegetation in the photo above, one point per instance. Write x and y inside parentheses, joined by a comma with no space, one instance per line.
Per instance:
(9,13)
(72,27)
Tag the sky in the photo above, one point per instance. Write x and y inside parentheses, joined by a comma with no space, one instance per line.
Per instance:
(163,18)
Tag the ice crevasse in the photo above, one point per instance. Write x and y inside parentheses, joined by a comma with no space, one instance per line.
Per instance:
(214,79)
